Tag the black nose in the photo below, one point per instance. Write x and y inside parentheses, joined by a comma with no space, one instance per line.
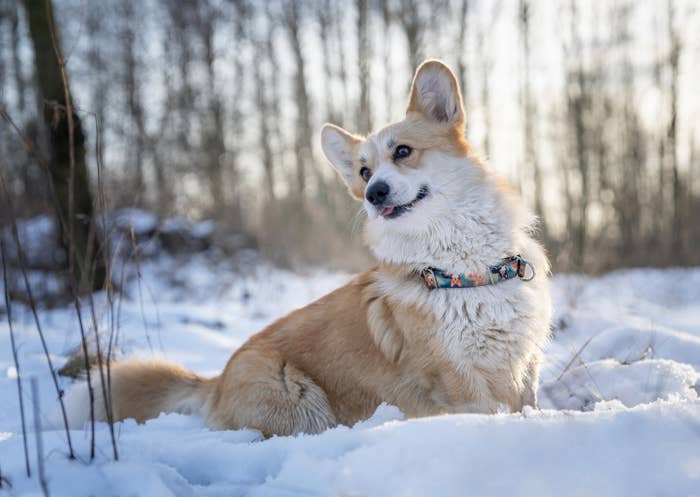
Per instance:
(377,193)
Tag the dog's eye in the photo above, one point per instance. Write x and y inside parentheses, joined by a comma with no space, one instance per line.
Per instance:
(365,173)
(402,151)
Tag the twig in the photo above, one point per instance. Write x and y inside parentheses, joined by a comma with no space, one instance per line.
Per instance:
(106,386)
(39,438)
(14,356)
(122,281)
(110,300)
(100,365)
(32,305)
(576,356)
(137,259)
(86,357)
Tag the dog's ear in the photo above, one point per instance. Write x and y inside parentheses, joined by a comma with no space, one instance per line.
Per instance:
(435,94)
(337,146)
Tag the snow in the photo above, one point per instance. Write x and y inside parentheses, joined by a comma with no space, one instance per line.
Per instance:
(142,222)
(35,236)
(619,396)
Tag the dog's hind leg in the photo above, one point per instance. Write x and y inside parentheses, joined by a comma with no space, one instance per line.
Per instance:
(268,394)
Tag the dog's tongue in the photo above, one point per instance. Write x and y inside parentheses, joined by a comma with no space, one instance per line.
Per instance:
(386,211)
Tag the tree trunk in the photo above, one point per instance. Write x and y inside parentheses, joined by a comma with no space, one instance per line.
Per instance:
(302,142)
(671,135)
(16,62)
(364,119)
(214,132)
(77,232)
(462,52)
(137,134)
(97,65)
(413,27)
(528,115)
(264,132)
(342,57)
(578,105)
(386,20)
(325,21)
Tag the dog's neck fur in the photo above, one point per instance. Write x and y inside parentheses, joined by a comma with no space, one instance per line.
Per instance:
(478,231)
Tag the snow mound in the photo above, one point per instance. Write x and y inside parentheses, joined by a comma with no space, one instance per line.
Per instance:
(642,382)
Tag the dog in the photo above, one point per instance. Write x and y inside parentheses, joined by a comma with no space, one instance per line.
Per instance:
(386,336)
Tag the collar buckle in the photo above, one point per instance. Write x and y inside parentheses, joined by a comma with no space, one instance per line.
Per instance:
(523,265)
(428,275)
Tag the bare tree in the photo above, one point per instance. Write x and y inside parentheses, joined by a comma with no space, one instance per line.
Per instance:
(462,51)
(673,61)
(486,68)
(242,13)
(325,21)
(578,103)
(213,129)
(632,160)
(528,110)
(136,133)
(20,86)
(183,101)
(342,57)
(364,119)
(414,26)
(160,144)
(275,132)
(98,67)
(386,56)
(264,116)
(68,165)
(302,145)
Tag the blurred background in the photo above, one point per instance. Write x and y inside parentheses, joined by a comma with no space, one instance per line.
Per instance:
(211,109)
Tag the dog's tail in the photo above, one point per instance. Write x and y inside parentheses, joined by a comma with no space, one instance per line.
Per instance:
(141,390)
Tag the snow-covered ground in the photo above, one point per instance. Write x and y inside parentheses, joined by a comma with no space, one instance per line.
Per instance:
(619,396)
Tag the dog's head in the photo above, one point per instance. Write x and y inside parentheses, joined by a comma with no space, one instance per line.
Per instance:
(415,172)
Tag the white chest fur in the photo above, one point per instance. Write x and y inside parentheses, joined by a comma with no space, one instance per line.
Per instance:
(491,327)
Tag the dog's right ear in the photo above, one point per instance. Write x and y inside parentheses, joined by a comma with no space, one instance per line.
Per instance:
(337,145)
(435,94)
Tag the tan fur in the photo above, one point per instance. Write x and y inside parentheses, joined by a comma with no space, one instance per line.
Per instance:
(335,360)
(141,390)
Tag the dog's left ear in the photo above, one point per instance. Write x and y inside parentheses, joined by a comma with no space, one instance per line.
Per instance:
(435,94)
(337,146)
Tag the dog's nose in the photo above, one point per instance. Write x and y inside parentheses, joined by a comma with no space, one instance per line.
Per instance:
(377,193)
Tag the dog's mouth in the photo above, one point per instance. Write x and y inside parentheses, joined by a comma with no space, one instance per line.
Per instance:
(398,210)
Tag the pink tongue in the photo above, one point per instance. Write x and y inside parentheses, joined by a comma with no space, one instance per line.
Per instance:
(386,211)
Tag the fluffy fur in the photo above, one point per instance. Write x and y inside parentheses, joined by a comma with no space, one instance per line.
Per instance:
(384,337)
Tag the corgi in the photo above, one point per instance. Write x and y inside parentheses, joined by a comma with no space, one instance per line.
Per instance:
(391,335)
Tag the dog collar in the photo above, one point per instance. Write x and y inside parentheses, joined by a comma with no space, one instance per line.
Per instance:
(509,268)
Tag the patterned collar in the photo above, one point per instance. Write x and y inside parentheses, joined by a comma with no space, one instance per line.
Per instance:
(509,268)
